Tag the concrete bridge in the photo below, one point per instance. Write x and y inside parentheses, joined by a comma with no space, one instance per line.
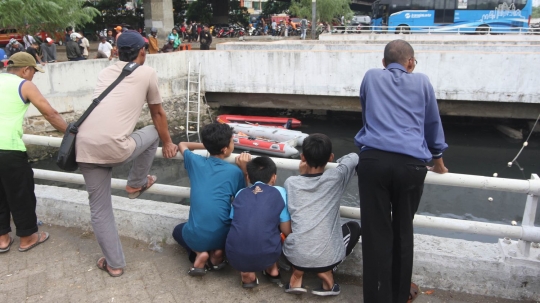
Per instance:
(484,76)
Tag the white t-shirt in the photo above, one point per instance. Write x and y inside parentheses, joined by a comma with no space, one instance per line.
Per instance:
(85,44)
(105,48)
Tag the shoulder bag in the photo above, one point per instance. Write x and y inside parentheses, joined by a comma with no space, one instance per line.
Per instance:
(66,159)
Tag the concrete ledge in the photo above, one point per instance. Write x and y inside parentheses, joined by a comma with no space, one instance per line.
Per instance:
(449,264)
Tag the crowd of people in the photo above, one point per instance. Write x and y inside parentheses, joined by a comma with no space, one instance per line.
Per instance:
(236,211)
(78,46)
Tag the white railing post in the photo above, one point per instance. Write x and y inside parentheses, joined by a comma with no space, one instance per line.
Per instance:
(458,31)
(529,215)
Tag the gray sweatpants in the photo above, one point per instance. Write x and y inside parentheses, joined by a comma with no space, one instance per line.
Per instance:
(98,184)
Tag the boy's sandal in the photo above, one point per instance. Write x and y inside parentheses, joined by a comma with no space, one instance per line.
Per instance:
(211,267)
(250,285)
(415,290)
(105,268)
(197,272)
(273,279)
(295,290)
(7,248)
(135,195)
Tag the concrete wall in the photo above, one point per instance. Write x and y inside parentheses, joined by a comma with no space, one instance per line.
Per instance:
(461,76)
(465,266)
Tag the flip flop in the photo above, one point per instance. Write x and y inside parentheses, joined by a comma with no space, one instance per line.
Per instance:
(212,267)
(250,285)
(415,290)
(106,269)
(7,248)
(136,194)
(197,272)
(273,279)
(295,290)
(39,241)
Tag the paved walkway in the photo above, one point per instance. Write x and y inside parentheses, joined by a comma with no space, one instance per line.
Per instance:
(63,270)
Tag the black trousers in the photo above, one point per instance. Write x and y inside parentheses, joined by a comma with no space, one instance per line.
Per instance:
(205,47)
(17,196)
(390,187)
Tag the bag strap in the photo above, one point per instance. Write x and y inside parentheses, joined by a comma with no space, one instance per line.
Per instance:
(126,71)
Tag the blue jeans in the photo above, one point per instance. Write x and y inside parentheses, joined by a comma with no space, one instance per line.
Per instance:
(177,235)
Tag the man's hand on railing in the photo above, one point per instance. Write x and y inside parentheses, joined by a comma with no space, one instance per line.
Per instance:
(169,150)
(438,166)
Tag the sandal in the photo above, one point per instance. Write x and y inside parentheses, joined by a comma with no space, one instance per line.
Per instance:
(415,290)
(197,272)
(134,195)
(7,248)
(250,285)
(211,267)
(105,268)
(39,241)
(295,290)
(273,279)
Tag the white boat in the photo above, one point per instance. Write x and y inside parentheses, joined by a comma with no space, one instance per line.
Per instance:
(272,133)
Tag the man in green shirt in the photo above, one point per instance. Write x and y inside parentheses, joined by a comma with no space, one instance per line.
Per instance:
(17,198)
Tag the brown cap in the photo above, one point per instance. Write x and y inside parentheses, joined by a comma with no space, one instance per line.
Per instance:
(23,59)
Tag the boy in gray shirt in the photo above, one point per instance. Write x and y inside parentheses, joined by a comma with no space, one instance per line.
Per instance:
(318,243)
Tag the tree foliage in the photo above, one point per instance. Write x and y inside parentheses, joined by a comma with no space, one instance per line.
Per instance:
(180,9)
(237,13)
(200,11)
(272,7)
(536,12)
(31,16)
(326,9)
(114,12)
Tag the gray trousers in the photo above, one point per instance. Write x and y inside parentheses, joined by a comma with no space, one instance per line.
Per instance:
(98,184)
(49,52)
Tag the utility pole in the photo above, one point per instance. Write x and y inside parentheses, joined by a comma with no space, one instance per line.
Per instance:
(313,18)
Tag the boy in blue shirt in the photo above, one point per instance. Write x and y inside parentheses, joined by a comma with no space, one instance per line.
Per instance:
(214,183)
(258,215)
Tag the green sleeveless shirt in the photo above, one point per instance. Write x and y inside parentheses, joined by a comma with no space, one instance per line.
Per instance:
(12,110)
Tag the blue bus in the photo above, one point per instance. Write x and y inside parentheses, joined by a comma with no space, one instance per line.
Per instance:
(466,16)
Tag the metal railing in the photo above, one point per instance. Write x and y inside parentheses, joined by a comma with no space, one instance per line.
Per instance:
(450,29)
(526,233)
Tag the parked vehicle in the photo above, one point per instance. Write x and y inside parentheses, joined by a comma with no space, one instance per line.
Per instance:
(7,34)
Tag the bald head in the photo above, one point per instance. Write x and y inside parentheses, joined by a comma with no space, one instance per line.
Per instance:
(398,51)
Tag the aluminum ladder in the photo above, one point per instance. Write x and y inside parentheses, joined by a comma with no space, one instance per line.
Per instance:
(193,107)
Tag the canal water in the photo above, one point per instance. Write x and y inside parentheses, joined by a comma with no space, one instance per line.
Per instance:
(475,148)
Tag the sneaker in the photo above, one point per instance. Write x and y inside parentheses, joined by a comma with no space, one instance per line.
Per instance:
(322,292)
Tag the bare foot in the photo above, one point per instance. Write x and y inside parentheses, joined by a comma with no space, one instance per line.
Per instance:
(216,257)
(248,277)
(31,240)
(151,181)
(5,240)
(200,260)
(110,270)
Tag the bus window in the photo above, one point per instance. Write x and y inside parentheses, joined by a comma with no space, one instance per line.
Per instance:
(471,4)
(422,4)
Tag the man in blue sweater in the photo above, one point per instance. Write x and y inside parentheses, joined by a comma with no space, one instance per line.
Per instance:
(402,132)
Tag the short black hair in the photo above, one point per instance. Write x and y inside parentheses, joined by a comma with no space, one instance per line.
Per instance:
(69,28)
(215,137)
(261,169)
(128,54)
(398,51)
(317,149)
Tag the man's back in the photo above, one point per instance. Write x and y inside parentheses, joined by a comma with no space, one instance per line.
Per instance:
(313,201)
(72,49)
(104,135)
(395,121)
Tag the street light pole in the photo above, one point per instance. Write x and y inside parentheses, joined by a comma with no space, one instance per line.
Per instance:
(313,18)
